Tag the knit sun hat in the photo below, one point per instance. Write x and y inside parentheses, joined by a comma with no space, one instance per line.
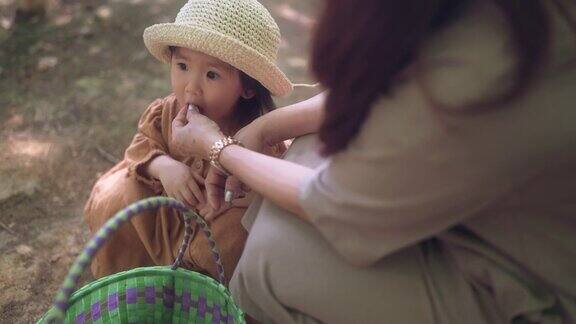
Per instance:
(241,33)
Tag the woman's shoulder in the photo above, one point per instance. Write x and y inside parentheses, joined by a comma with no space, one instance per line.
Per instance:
(472,60)
(466,64)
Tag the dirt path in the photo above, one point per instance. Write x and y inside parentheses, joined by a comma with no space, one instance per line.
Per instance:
(71,90)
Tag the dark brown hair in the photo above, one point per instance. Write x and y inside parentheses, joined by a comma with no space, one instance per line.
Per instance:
(261,103)
(359,49)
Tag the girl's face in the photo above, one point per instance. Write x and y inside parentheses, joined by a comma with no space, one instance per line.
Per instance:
(207,82)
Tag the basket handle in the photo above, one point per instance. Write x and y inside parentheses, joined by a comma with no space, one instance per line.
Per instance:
(111,226)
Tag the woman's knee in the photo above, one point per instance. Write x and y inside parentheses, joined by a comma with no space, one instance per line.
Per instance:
(274,245)
(275,266)
(251,284)
(267,246)
(259,253)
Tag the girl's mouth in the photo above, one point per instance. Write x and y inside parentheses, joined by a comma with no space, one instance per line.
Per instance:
(196,107)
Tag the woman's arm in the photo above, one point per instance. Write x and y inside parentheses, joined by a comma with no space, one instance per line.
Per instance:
(260,172)
(257,171)
(299,119)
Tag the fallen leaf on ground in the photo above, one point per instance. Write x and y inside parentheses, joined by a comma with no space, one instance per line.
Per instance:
(24,249)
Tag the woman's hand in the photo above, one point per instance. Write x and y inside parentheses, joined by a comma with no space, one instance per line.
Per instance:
(179,183)
(194,133)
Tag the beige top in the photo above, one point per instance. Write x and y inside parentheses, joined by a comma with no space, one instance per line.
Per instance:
(507,177)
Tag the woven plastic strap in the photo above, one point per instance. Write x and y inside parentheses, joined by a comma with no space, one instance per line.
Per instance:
(111,226)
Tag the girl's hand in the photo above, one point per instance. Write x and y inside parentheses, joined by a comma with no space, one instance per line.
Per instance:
(209,214)
(215,184)
(179,183)
(194,133)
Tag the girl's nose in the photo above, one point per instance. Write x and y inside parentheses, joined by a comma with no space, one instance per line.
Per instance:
(194,84)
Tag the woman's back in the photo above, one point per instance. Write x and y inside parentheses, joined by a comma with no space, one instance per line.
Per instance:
(507,176)
(528,147)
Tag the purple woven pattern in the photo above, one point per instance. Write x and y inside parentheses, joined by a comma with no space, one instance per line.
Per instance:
(113,301)
(168,297)
(186,302)
(80,319)
(131,295)
(201,306)
(151,295)
(95,310)
(216,315)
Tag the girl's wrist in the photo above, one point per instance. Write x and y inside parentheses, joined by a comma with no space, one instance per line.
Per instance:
(157,165)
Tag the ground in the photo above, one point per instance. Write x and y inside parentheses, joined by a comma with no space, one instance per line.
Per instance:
(72,86)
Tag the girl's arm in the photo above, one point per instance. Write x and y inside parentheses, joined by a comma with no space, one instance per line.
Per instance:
(299,119)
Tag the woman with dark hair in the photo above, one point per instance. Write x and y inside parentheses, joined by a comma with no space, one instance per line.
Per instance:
(445,189)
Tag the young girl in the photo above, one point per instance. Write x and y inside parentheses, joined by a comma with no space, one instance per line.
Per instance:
(221,55)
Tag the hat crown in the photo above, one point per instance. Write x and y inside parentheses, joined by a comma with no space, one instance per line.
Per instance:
(246,21)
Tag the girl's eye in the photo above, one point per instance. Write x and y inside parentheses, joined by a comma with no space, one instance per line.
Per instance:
(212,75)
(182,66)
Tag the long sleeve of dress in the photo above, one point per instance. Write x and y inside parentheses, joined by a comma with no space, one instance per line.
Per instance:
(151,140)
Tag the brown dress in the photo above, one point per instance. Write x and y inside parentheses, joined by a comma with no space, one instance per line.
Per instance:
(155,237)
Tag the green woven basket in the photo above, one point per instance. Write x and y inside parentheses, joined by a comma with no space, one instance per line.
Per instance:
(162,294)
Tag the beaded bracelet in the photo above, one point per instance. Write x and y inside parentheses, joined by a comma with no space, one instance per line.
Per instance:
(217,148)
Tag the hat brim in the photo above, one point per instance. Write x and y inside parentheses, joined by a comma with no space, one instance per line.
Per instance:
(158,38)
